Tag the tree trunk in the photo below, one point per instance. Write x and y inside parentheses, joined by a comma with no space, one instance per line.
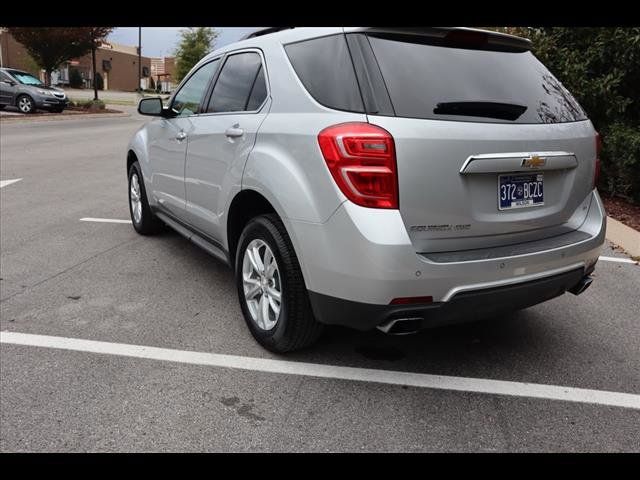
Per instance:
(47,78)
(95,85)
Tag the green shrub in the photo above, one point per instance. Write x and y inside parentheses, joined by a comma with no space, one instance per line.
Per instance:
(621,172)
(75,78)
(601,68)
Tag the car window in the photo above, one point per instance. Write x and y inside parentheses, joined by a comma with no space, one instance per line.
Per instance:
(4,77)
(187,100)
(325,69)
(235,82)
(26,78)
(258,92)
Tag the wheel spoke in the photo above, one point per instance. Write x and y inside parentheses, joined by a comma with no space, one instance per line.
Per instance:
(275,306)
(275,294)
(254,264)
(252,291)
(264,306)
(258,259)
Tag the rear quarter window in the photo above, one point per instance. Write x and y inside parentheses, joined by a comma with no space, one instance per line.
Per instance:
(325,69)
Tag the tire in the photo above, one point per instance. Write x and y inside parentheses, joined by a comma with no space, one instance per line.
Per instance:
(25,104)
(2,107)
(295,326)
(143,219)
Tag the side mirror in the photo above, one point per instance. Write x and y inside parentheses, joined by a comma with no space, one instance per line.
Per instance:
(151,106)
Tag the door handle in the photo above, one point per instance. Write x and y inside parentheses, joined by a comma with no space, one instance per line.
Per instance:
(181,136)
(235,131)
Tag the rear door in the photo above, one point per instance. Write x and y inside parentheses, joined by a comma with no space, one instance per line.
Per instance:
(222,138)
(491,148)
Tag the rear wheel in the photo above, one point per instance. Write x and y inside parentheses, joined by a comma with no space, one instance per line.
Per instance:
(26,104)
(272,292)
(143,219)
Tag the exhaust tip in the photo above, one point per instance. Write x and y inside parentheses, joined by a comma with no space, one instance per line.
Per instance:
(582,285)
(401,326)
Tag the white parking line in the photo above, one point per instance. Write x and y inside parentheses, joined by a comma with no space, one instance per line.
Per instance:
(104,220)
(4,183)
(421,380)
(618,259)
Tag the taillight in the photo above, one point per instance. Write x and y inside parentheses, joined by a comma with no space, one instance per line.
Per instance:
(362,160)
(596,172)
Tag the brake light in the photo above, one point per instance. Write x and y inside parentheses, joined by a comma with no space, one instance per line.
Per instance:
(362,160)
(596,173)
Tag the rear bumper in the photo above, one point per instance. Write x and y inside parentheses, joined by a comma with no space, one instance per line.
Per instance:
(361,259)
(463,307)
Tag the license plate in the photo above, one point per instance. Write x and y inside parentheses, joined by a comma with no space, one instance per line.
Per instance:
(520,191)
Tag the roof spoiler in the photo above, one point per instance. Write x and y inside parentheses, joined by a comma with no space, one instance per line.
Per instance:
(264,31)
(459,35)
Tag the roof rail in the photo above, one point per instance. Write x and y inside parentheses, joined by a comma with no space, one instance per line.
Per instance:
(265,31)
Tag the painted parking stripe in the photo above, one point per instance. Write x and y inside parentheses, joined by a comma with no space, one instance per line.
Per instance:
(104,220)
(4,183)
(420,380)
(618,259)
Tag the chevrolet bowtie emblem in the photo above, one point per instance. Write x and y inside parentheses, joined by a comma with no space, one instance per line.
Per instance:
(534,161)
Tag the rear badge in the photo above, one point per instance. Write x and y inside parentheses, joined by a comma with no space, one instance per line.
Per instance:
(534,161)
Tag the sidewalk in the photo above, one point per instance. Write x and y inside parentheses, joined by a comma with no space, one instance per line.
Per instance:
(114,97)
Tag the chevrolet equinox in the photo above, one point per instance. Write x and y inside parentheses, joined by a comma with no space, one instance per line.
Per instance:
(374,177)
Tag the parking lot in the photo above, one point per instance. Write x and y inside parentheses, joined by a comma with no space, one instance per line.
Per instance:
(173,367)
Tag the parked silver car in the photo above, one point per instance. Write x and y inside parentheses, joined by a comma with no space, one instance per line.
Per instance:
(28,93)
(375,177)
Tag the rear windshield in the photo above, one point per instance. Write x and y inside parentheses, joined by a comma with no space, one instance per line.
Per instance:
(445,83)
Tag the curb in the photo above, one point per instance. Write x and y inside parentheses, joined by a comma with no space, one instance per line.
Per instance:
(50,118)
(625,237)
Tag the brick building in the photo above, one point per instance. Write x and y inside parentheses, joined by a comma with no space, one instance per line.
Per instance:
(117,64)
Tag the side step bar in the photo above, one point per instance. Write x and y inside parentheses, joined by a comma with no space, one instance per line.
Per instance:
(203,243)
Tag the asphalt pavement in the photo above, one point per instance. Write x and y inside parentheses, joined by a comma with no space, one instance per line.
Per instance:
(74,279)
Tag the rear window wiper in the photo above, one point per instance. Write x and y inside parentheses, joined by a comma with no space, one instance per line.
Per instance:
(503,111)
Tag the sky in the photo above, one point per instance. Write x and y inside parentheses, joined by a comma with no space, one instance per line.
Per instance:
(161,41)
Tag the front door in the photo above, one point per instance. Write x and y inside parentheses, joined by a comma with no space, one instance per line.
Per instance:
(222,138)
(7,90)
(169,138)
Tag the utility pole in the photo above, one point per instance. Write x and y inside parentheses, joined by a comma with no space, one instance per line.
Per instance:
(139,59)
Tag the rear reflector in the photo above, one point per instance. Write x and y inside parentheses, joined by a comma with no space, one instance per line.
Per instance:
(362,160)
(411,300)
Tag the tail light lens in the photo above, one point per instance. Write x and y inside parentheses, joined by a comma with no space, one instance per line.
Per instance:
(362,160)
(596,173)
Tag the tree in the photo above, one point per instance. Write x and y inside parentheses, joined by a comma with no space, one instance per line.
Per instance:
(194,44)
(50,47)
(94,36)
(601,68)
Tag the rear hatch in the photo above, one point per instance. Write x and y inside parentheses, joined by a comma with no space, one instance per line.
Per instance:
(491,149)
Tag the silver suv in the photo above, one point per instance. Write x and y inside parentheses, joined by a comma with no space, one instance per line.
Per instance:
(374,178)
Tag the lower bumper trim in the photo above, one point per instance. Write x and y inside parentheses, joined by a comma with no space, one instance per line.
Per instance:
(463,307)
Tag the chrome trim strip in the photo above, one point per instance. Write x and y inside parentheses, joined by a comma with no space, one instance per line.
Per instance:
(511,155)
(512,281)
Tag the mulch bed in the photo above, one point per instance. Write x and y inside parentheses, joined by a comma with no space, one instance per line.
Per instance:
(91,110)
(622,210)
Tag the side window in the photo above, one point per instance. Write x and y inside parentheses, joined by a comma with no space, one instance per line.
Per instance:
(325,69)
(235,83)
(4,77)
(258,92)
(187,100)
